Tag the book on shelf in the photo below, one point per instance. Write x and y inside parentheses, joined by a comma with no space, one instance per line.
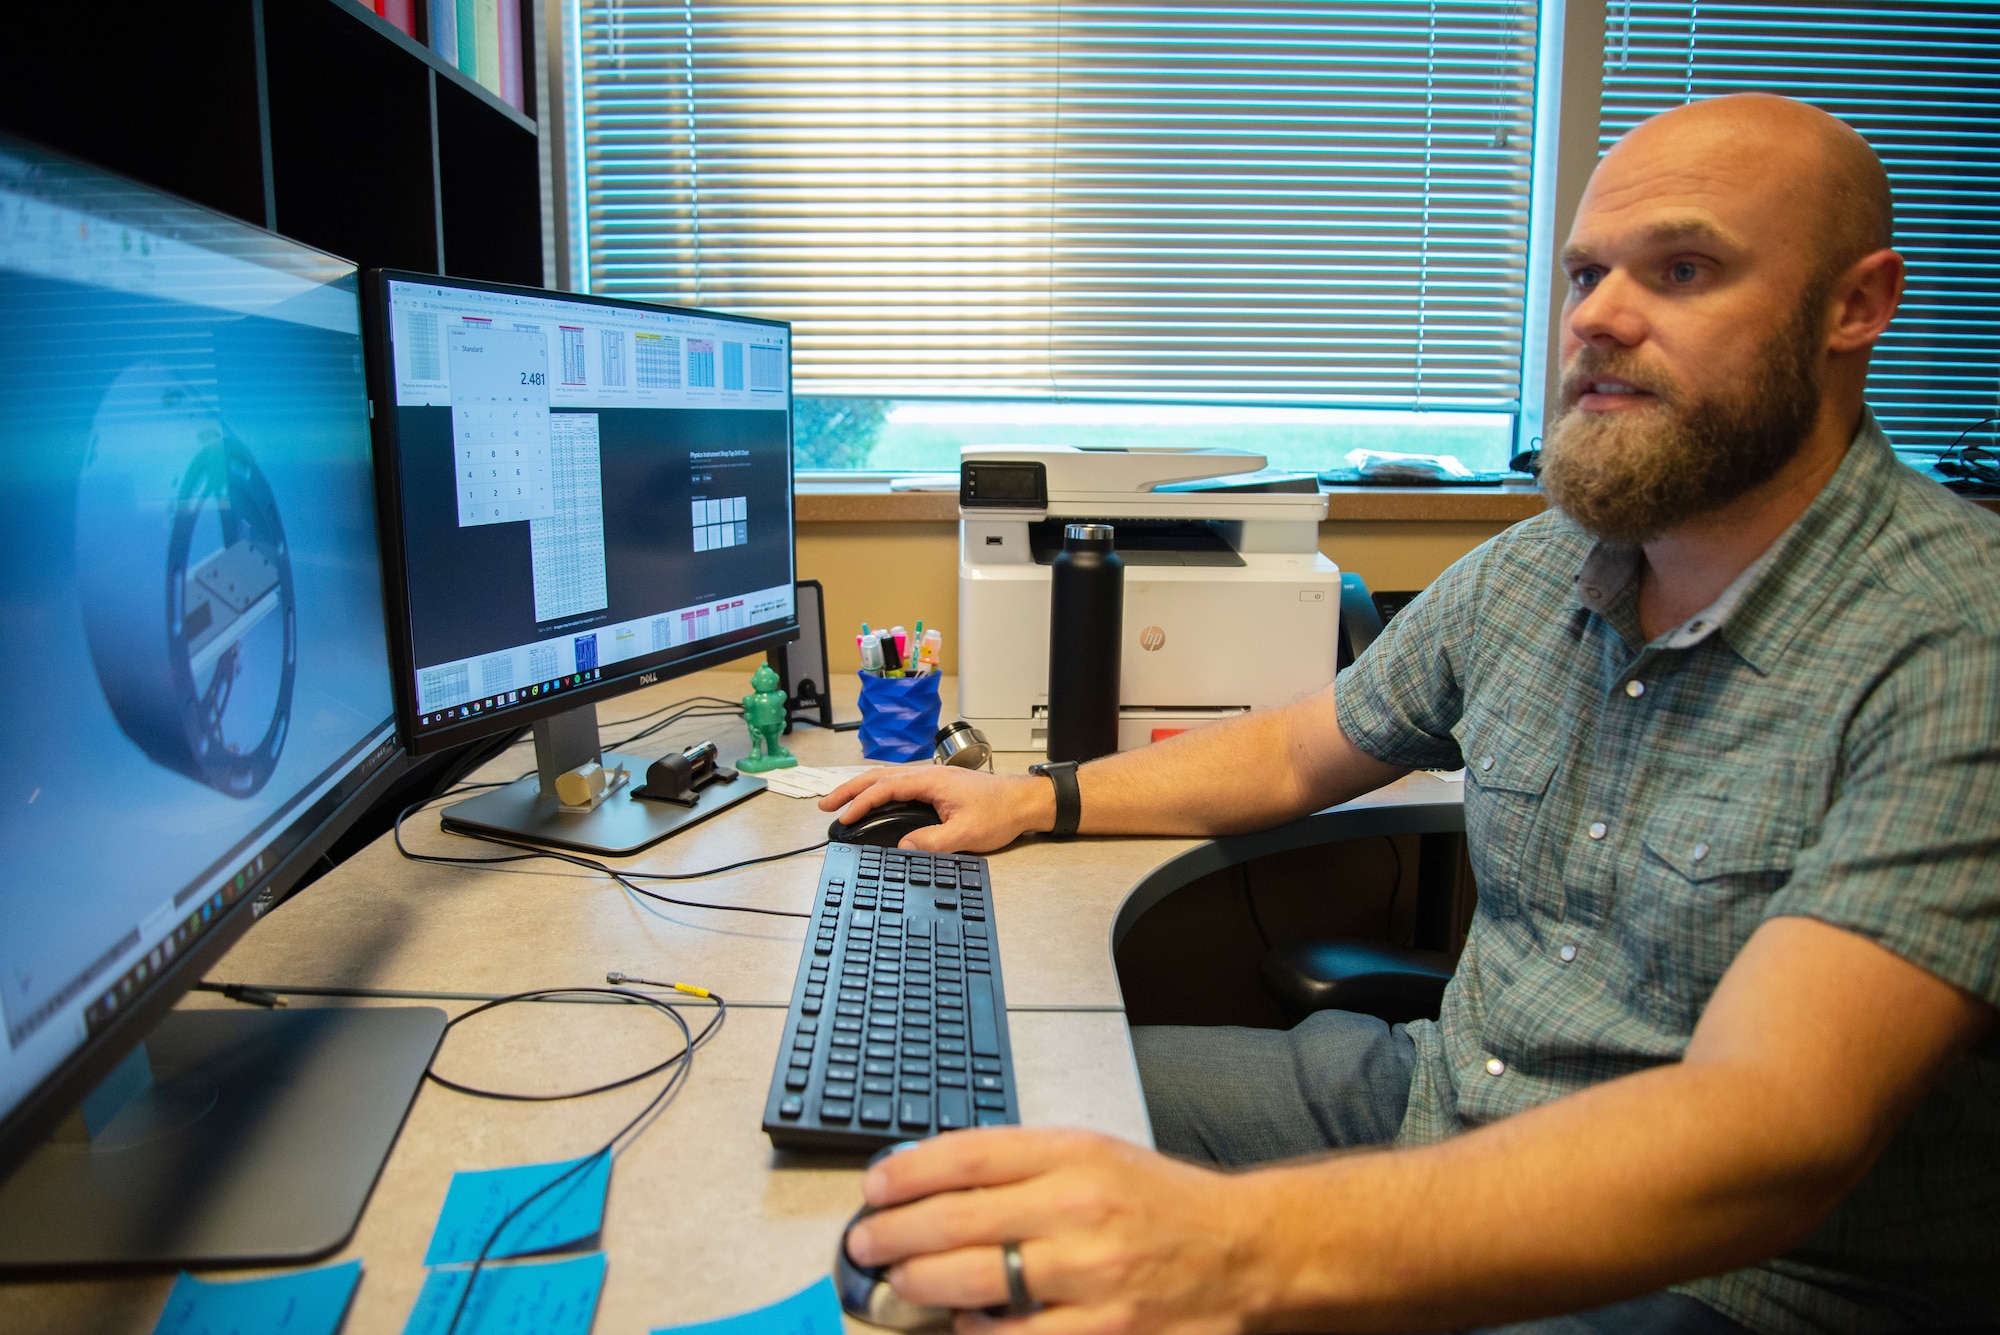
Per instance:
(402,13)
(482,38)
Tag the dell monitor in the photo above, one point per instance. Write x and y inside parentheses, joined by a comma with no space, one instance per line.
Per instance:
(202,703)
(581,496)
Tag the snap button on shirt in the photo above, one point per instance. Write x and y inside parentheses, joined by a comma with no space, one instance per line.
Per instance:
(1494,1066)
(1486,762)
(1597,829)
(1635,688)
(1700,852)
(1567,953)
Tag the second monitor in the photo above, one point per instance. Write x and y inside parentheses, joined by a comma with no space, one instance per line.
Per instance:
(581,497)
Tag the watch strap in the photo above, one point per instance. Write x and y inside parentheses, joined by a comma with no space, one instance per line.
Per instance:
(1069,802)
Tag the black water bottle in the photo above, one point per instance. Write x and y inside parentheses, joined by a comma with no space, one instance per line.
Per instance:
(1086,623)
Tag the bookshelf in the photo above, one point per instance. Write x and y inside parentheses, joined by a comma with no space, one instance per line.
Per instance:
(315,118)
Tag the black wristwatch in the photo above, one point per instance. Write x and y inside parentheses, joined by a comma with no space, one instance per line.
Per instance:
(1069,804)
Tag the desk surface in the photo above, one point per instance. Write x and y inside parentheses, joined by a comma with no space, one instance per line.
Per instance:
(704,1219)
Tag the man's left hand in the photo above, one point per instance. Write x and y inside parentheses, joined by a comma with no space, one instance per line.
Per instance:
(1112,1237)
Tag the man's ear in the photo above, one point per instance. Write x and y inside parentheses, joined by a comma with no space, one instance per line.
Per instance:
(1864,299)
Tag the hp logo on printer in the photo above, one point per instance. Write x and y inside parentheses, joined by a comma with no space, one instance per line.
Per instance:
(1152,638)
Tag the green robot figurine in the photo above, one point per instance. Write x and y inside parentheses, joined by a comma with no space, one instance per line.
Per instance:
(764,715)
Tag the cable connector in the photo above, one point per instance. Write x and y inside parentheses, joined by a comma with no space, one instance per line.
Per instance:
(617,979)
(251,996)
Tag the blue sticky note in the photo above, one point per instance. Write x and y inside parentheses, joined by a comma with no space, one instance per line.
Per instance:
(813,1310)
(570,1211)
(304,1302)
(526,1298)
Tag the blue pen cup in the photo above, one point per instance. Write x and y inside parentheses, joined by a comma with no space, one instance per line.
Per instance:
(899,717)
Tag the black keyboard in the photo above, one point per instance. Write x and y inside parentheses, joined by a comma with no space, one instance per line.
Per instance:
(898,1022)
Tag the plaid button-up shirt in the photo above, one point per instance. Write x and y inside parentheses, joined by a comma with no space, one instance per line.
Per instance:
(1822,741)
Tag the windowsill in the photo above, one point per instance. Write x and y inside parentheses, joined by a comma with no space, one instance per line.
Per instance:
(868,500)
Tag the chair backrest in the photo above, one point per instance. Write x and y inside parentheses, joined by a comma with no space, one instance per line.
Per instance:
(1360,621)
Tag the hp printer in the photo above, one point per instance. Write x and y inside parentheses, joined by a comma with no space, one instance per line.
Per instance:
(1229,604)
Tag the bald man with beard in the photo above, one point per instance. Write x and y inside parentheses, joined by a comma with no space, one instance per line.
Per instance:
(1719,1053)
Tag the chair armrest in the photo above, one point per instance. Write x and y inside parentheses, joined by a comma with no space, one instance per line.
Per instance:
(1395,983)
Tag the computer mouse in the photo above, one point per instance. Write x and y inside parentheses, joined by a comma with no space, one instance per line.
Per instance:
(864,1289)
(886,825)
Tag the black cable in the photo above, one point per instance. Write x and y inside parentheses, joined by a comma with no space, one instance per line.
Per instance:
(624,878)
(628,997)
(682,1063)
(644,733)
(1250,902)
(1970,467)
(1395,889)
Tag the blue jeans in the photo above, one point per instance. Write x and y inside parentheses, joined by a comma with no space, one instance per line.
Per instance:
(1236,1097)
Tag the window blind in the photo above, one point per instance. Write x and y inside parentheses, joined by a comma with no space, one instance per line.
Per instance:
(1921,82)
(1285,202)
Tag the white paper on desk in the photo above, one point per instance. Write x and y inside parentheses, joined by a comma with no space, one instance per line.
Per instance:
(811,780)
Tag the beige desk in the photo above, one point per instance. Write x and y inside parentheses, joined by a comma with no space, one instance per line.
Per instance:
(704,1219)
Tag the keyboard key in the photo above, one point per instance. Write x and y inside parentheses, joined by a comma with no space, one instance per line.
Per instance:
(914,1067)
(987,1082)
(849,1008)
(847,1040)
(878,1067)
(914,1084)
(793,1106)
(985,1029)
(809,1006)
(992,1117)
(837,1089)
(955,1079)
(878,1084)
(985,1100)
(951,1110)
(835,1110)
(795,1079)
(881,1051)
(802,1058)
(913,1112)
(947,932)
(989,1065)
(875,1110)
(847,1025)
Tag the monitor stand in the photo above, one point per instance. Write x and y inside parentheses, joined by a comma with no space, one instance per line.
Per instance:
(528,812)
(232,1137)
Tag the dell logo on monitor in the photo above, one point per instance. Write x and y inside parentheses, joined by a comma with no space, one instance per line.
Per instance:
(648,678)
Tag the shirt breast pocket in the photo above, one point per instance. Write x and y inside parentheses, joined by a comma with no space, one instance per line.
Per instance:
(1709,864)
(1508,771)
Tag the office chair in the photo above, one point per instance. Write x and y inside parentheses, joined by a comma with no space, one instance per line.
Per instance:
(1394,983)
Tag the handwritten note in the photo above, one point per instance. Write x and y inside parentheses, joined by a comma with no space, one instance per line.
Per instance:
(526,1298)
(570,1211)
(303,1302)
(813,1310)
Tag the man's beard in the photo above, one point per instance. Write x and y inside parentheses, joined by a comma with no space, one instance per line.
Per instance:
(1630,475)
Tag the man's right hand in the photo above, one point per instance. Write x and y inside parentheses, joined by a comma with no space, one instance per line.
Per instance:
(981,812)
